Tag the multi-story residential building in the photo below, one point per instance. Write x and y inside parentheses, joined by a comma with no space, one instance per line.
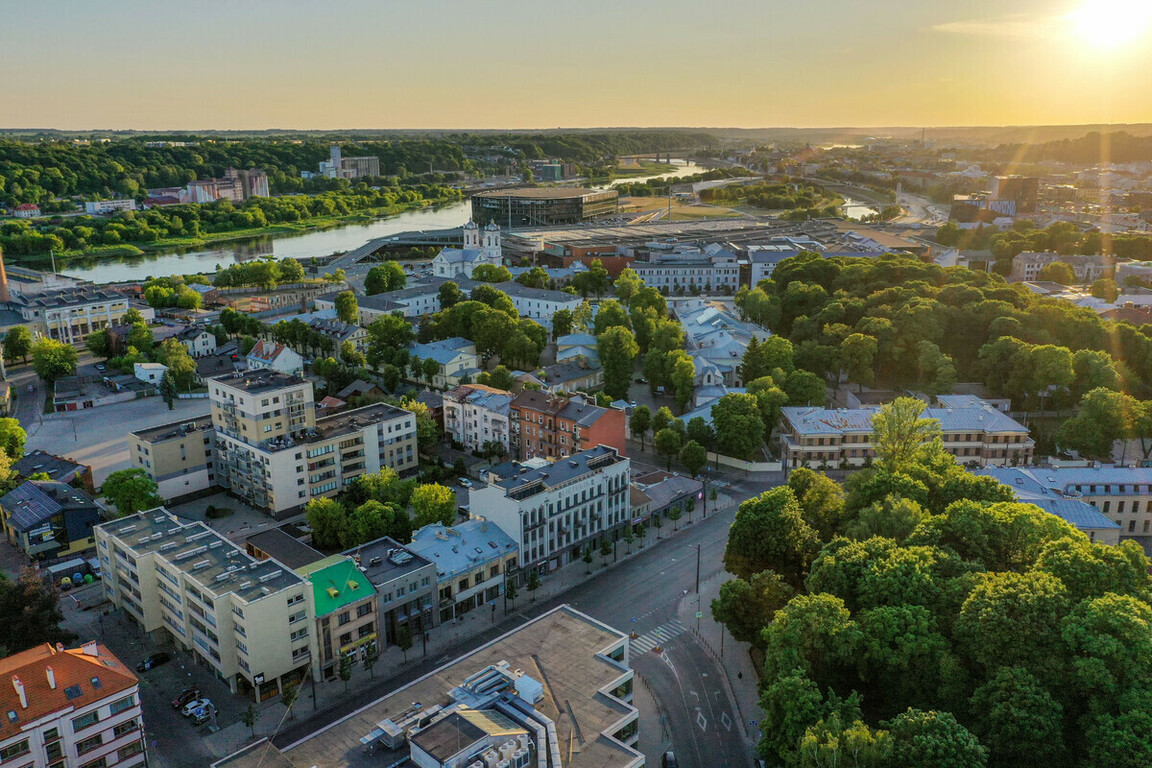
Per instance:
(405,585)
(416,300)
(553,513)
(26,211)
(1065,504)
(475,414)
(109,206)
(46,518)
(972,430)
(71,315)
(340,332)
(456,357)
(179,456)
(273,356)
(198,340)
(273,452)
(452,263)
(554,427)
(1121,494)
(1087,268)
(345,610)
(471,560)
(70,707)
(718,272)
(538,304)
(251,623)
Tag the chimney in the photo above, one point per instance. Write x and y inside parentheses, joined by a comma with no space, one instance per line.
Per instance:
(51,677)
(59,647)
(5,296)
(19,686)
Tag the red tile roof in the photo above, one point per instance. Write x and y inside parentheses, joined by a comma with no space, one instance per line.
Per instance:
(74,670)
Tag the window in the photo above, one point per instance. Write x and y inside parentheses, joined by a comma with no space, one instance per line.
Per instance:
(14,750)
(122,704)
(128,751)
(89,744)
(345,638)
(344,618)
(300,634)
(363,610)
(296,599)
(125,727)
(84,721)
(298,616)
(100,762)
(51,735)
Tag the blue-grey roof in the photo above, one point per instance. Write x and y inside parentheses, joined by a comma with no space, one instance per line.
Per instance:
(1079,513)
(577,340)
(532,481)
(977,416)
(461,548)
(56,467)
(443,351)
(1120,480)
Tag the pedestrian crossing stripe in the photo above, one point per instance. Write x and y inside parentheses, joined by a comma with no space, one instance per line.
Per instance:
(658,636)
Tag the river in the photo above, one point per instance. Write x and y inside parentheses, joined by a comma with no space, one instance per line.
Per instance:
(321,243)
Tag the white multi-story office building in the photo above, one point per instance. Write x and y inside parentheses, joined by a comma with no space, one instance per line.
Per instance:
(70,707)
(250,622)
(554,512)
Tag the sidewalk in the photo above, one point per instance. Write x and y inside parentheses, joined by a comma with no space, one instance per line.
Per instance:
(740,674)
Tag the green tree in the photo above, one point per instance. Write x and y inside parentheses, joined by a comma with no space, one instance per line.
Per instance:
(289,696)
(12,439)
(430,369)
(858,355)
(345,669)
(404,640)
(617,349)
(490,273)
(1106,289)
(374,519)
(510,591)
(347,309)
(131,491)
(667,442)
(561,323)
(98,343)
(739,425)
(682,377)
(1057,272)
(499,378)
(533,583)
(328,521)
(168,390)
(745,607)
(1018,720)
(769,532)
(605,552)
(249,717)
(449,295)
(898,431)
(893,518)
(31,613)
(1013,619)
(434,504)
(610,315)
(627,285)
(388,276)
(18,343)
(53,360)
(821,500)
(639,422)
(693,456)
(1105,416)
(921,739)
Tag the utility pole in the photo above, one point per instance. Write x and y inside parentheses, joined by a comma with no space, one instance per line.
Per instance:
(697,546)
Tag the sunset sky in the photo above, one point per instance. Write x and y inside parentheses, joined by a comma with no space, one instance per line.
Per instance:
(544,64)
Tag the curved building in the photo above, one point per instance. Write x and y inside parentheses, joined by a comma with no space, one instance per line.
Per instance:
(537,206)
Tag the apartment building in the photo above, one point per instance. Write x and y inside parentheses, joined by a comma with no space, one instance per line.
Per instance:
(179,456)
(345,603)
(972,430)
(554,427)
(340,332)
(405,585)
(538,304)
(475,414)
(70,707)
(471,560)
(554,512)
(71,315)
(273,452)
(456,357)
(1040,487)
(251,623)
(715,272)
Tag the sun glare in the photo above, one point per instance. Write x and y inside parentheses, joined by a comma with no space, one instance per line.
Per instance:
(1111,23)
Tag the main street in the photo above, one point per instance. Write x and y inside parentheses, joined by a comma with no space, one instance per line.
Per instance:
(640,595)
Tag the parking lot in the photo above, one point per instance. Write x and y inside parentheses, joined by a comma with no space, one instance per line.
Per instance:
(99,436)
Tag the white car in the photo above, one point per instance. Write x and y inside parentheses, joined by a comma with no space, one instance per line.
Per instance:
(465,482)
(194,705)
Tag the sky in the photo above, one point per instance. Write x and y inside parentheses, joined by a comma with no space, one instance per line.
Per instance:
(453,64)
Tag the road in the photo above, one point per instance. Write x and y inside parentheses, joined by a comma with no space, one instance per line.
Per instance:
(640,595)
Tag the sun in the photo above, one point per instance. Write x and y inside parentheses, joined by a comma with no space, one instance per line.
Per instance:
(1111,23)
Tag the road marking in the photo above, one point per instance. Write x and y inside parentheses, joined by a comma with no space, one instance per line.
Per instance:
(702,721)
(658,636)
(726,721)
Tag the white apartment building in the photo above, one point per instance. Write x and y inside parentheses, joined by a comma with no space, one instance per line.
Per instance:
(250,622)
(70,707)
(109,206)
(475,414)
(554,512)
(71,315)
(538,304)
(274,453)
(718,272)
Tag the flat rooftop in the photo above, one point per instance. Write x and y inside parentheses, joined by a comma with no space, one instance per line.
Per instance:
(563,649)
(386,559)
(259,380)
(207,557)
(174,429)
(545,193)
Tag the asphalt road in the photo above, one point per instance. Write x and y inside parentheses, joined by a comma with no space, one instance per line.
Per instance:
(640,595)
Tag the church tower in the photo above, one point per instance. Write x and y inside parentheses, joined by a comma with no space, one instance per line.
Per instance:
(471,236)
(492,236)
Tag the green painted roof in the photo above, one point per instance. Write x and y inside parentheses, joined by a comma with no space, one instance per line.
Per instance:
(336,583)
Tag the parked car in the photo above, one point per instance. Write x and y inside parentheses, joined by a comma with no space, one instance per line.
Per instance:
(669,760)
(465,482)
(202,715)
(641,380)
(101,367)
(194,705)
(185,696)
(154,660)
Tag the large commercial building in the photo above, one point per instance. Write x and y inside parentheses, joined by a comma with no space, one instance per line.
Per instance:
(553,427)
(555,692)
(70,707)
(717,271)
(339,167)
(972,430)
(251,623)
(554,512)
(274,453)
(536,207)
(1023,190)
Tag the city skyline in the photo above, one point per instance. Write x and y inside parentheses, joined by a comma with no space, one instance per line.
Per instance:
(448,64)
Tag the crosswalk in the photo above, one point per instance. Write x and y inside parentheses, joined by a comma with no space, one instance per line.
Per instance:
(658,636)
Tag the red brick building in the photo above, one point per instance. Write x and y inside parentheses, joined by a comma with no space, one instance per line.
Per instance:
(553,427)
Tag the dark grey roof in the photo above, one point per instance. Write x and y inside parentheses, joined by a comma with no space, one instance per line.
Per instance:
(288,550)
(58,468)
(533,481)
(35,501)
(386,559)
(448,737)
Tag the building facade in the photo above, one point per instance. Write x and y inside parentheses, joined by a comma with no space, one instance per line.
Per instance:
(456,358)
(479,248)
(198,340)
(553,513)
(475,415)
(71,315)
(71,707)
(46,518)
(679,272)
(405,586)
(544,206)
(553,427)
(471,560)
(179,456)
(345,611)
(275,357)
(250,623)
